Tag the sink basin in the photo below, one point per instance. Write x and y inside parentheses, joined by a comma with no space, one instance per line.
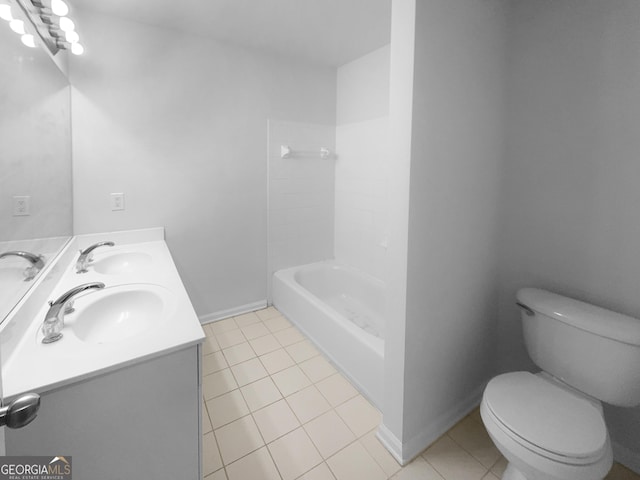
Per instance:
(126,262)
(117,313)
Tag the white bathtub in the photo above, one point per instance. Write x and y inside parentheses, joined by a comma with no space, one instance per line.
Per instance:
(342,311)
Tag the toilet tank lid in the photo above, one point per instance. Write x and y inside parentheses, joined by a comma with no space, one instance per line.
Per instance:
(584,316)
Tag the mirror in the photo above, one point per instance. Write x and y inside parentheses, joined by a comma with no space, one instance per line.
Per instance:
(35,163)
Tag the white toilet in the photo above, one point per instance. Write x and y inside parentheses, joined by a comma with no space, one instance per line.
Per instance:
(550,426)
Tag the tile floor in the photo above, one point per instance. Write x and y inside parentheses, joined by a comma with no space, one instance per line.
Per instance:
(276,409)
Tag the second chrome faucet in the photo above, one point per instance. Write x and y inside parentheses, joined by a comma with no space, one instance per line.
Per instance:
(86,255)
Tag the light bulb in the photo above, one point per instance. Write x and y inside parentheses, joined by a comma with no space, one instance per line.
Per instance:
(58,7)
(17,26)
(28,40)
(5,13)
(77,49)
(72,37)
(66,24)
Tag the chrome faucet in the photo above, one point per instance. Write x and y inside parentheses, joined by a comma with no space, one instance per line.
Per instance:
(86,256)
(54,319)
(37,262)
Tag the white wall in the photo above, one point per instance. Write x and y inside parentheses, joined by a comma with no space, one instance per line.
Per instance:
(363,88)
(178,123)
(456,152)
(301,195)
(364,162)
(571,201)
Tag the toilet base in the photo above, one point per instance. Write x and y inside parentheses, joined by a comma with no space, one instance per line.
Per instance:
(512,473)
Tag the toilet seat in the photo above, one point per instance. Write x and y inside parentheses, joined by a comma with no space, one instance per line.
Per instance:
(547,419)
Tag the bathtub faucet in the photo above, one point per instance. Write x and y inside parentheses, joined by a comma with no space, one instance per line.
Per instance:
(86,256)
(37,262)
(54,319)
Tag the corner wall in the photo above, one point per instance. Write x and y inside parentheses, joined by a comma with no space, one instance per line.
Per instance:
(401,73)
(456,147)
(456,157)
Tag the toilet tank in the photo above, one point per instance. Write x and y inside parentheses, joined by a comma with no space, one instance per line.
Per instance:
(594,350)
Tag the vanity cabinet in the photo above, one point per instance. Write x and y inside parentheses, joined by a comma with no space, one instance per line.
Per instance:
(139,422)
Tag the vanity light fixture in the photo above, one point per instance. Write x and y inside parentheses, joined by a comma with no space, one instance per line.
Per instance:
(17,24)
(46,18)
(61,28)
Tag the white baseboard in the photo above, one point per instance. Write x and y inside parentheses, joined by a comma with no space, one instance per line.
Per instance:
(407,451)
(626,457)
(391,443)
(232,312)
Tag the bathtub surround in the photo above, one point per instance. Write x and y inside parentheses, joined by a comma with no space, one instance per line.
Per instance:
(334,208)
(302,207)
(179,124)
(362,139)
(298,236)
(361,214)
(300,195)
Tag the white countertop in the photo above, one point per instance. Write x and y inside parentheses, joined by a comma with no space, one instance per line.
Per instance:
(28,365)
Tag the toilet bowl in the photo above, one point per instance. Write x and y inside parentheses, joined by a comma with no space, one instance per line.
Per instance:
(550,425)
(545,431)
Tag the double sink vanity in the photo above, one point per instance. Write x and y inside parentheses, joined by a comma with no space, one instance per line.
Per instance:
(120,387)
(112,346)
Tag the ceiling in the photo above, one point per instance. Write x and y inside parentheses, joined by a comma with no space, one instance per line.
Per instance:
(323,32)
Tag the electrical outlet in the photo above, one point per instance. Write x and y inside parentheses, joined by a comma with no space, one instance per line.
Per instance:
(117,201)
(21,206)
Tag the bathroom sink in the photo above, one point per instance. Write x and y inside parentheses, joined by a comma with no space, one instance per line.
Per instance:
(118,313)
(126,262)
